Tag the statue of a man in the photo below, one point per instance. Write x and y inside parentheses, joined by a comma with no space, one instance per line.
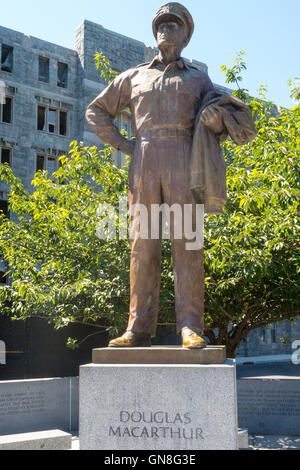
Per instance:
(178,119)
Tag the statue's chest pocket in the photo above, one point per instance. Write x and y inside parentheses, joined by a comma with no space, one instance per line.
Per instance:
(187,88)
(141,89)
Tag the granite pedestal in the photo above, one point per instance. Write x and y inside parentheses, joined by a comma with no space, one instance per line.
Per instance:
(161,406)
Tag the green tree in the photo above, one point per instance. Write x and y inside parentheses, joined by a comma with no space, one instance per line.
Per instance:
(60,269)
(295,89)
(63,272)
(252,261)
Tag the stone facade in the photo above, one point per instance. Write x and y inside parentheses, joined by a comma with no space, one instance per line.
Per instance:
(84,83)
(28,92)
(275,339)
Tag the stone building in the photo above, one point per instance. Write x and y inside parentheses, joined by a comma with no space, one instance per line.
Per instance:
(44,91)
(47,89)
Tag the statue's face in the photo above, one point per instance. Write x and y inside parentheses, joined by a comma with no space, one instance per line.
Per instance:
(171,32)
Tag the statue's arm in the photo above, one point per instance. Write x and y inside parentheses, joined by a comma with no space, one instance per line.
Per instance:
(239,123)
(226,115)
(101,112)
(211,115)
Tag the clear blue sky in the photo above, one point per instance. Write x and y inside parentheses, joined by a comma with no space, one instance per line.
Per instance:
(267,30)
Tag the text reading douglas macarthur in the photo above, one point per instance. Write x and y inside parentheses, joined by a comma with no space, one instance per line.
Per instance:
(156,425)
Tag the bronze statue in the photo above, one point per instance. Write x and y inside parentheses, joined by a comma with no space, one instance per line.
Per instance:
(179,120)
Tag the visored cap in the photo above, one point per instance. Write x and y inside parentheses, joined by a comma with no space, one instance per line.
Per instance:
(174,10)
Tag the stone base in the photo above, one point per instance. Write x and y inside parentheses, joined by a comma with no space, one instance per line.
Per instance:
(43,440)
(158,407)
(160,355)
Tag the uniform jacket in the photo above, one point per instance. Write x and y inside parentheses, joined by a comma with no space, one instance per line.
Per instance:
(174,96)
(208,169)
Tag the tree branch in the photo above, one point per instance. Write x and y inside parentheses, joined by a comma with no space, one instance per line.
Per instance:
(221,308)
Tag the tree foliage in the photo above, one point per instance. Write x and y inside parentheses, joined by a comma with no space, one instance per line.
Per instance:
(63,272)
(60,269)
(103,65)
(252,260)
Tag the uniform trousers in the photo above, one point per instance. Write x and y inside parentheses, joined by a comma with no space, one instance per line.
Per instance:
(159,174)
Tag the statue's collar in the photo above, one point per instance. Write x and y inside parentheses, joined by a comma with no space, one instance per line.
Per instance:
(180,63)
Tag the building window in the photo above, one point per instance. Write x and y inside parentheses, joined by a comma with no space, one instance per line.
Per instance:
(47,163)
(40,162)
(52,120)
(7,58)
(63,122)
(62,75)
(51,165)
(268,335)
(41,118)
(43,69)
(6,110)
(3,265)
(125,125)
(262,337)
(273,334)
(5,154)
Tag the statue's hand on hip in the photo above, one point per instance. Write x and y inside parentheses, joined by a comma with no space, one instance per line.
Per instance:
(127,147)
(212,118)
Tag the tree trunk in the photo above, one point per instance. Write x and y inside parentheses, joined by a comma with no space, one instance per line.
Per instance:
(231,348)
(233,341)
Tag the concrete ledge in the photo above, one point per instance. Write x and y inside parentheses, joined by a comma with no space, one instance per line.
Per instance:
(43,440)
(243,438)
(160,355)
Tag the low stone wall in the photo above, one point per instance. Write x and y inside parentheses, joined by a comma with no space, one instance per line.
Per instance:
(269,405)
(266,405)
(38,405)
(41,440)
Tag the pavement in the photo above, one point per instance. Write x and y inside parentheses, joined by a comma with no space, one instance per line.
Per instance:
(265,370)
(269,358)
(255,443)
(274,443)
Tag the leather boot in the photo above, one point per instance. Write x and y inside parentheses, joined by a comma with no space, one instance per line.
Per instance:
(131,339)
(191,339)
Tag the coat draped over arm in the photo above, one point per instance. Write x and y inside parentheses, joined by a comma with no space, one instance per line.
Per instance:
(208,169)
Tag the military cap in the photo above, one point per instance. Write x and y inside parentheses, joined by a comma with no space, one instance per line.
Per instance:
(178,11)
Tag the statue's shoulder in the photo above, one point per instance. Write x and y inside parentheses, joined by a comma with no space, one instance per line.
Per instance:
(196,70)
(133,70)
(145,64)
(191,66)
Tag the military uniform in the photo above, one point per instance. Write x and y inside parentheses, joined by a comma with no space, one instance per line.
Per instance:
(164,101)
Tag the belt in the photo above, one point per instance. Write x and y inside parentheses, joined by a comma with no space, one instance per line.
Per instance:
(166,133)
